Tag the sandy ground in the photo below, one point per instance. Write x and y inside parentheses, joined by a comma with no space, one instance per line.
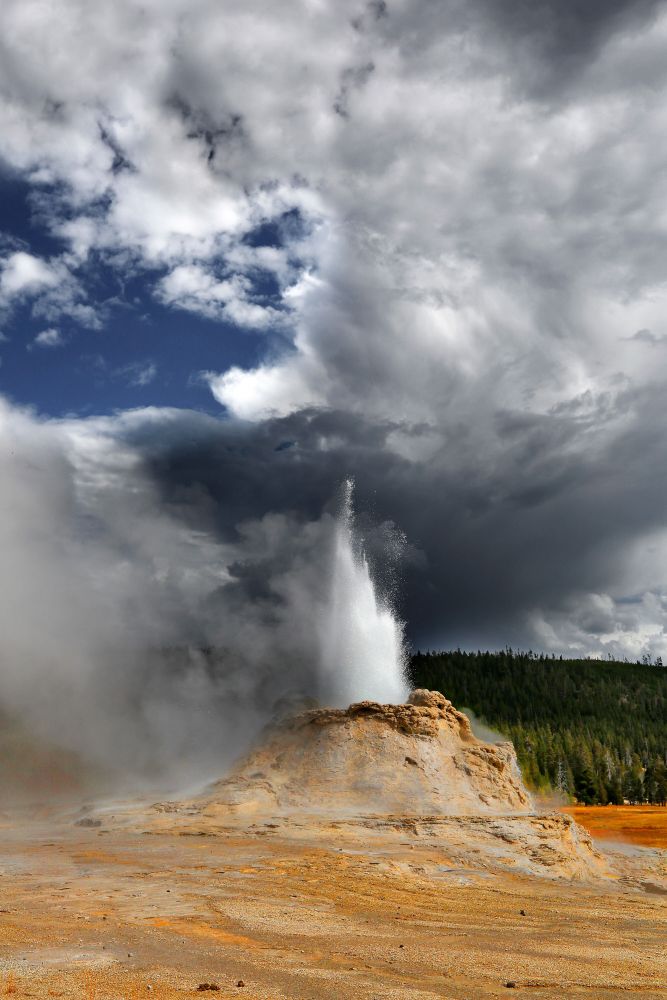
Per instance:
(109,913)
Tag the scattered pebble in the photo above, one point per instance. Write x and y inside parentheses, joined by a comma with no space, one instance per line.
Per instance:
(511,985)
(207,986)
(522,912)
(240,983)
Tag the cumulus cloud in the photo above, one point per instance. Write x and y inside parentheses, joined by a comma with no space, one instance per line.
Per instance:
(23,274)
(51,288)
(49,338)
(268,391)
(191,287)
(455,175)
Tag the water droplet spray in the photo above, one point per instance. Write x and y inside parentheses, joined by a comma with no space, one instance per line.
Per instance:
(362,643)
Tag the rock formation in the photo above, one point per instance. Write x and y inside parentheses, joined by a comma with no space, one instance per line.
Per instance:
(418,759)
(391,776)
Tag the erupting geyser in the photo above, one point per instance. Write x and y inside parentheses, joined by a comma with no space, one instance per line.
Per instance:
(361,639)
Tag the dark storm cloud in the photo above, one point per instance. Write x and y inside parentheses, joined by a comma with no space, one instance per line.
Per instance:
(566,27)
(541,46)
(549,522)
(555,40)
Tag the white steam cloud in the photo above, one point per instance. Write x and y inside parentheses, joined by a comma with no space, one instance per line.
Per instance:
(149,645)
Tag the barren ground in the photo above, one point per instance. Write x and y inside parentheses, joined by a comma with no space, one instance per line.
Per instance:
(109,913)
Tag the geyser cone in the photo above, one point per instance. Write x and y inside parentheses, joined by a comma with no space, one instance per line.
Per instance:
(419,758)
(378,774)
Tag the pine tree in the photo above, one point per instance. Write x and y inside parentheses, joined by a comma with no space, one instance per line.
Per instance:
(562,783)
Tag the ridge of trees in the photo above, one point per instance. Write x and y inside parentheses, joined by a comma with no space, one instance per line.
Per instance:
(595,730)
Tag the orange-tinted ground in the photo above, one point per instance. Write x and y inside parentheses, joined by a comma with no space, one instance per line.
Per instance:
(108,913)
(643,825)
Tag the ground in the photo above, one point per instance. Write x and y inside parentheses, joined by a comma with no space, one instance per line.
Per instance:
(645,825)
(109,913)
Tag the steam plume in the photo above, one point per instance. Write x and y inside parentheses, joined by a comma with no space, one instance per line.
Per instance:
(134,633)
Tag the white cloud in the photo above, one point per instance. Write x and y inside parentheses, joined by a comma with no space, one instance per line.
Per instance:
(137,373)
(597,625)
(24,274)
(263,392)
(50,286)
(193,288)
(444,209)
(49,338)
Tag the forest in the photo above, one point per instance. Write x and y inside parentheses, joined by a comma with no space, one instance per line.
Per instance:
(593,730)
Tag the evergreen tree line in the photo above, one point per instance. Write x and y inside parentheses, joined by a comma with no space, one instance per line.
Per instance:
(595,730)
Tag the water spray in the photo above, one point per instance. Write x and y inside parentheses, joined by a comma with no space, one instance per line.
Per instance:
(361,638)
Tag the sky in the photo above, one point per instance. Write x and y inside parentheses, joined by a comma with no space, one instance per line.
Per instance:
(250,250)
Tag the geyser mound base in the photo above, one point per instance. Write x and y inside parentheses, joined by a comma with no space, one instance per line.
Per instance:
(388,775)
(419,758)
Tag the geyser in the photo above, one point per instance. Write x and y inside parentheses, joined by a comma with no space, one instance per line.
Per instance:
(379,774)
(154,633)
(361,638)
(417,758)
